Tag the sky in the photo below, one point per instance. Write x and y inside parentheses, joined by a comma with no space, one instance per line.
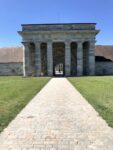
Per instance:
(13,13)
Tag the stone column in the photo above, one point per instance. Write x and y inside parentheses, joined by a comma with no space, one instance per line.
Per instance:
(38,59)
(67,59)
(92,58)
(26,59)
(79,58)
(49,59)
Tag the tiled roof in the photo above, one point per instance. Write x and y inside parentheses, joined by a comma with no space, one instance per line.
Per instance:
(105,51)
(11,54)
(15,54)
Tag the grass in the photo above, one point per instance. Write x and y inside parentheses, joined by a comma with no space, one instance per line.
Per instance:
(15,93)
(99,93)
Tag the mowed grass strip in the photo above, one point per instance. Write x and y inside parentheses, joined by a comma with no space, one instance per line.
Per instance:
(99,93)
(15,93)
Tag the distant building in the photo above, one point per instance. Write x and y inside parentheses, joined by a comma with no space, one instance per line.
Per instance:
(57,50)
(11,61)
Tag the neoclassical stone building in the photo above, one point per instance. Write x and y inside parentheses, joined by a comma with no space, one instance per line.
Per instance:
(59,49)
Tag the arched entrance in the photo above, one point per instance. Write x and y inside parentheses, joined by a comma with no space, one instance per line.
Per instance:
(58,59)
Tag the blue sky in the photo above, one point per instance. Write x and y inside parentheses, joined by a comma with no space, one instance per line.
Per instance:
(13,13)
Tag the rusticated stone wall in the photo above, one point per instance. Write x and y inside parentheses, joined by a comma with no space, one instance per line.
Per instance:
(15,69)
(104,68)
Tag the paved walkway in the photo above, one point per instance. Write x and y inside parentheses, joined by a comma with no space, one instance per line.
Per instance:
(58,118)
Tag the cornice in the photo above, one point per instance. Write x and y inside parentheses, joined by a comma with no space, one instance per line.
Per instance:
(59,32)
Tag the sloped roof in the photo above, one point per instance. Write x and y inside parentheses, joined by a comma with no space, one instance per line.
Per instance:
(11,54)
(105,51)
(15,54)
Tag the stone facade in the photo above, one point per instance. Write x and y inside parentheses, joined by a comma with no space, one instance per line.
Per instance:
(61,40)
(11,60)
(104,68)
(16,68)
(11,68)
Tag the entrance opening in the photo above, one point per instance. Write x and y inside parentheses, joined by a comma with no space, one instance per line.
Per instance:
(85,58)
(58,59)
(59,70)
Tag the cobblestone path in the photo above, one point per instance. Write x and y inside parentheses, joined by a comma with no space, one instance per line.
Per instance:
(58,118)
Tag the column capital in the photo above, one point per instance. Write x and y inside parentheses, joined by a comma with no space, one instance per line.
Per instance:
(49,45)
(37,44)
(92,41)
(25,43)
(80,46)
(49,41)
(92,46)
(79,42)
(67,42)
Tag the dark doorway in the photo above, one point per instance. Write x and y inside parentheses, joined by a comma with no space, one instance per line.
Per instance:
(58,59)
(85,58)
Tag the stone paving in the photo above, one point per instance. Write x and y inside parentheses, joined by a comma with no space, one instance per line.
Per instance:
(58,118)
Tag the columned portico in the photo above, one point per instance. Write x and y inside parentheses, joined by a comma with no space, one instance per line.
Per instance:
(59,47)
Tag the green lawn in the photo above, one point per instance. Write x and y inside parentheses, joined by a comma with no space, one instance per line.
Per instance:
(99,93)
(15,93)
